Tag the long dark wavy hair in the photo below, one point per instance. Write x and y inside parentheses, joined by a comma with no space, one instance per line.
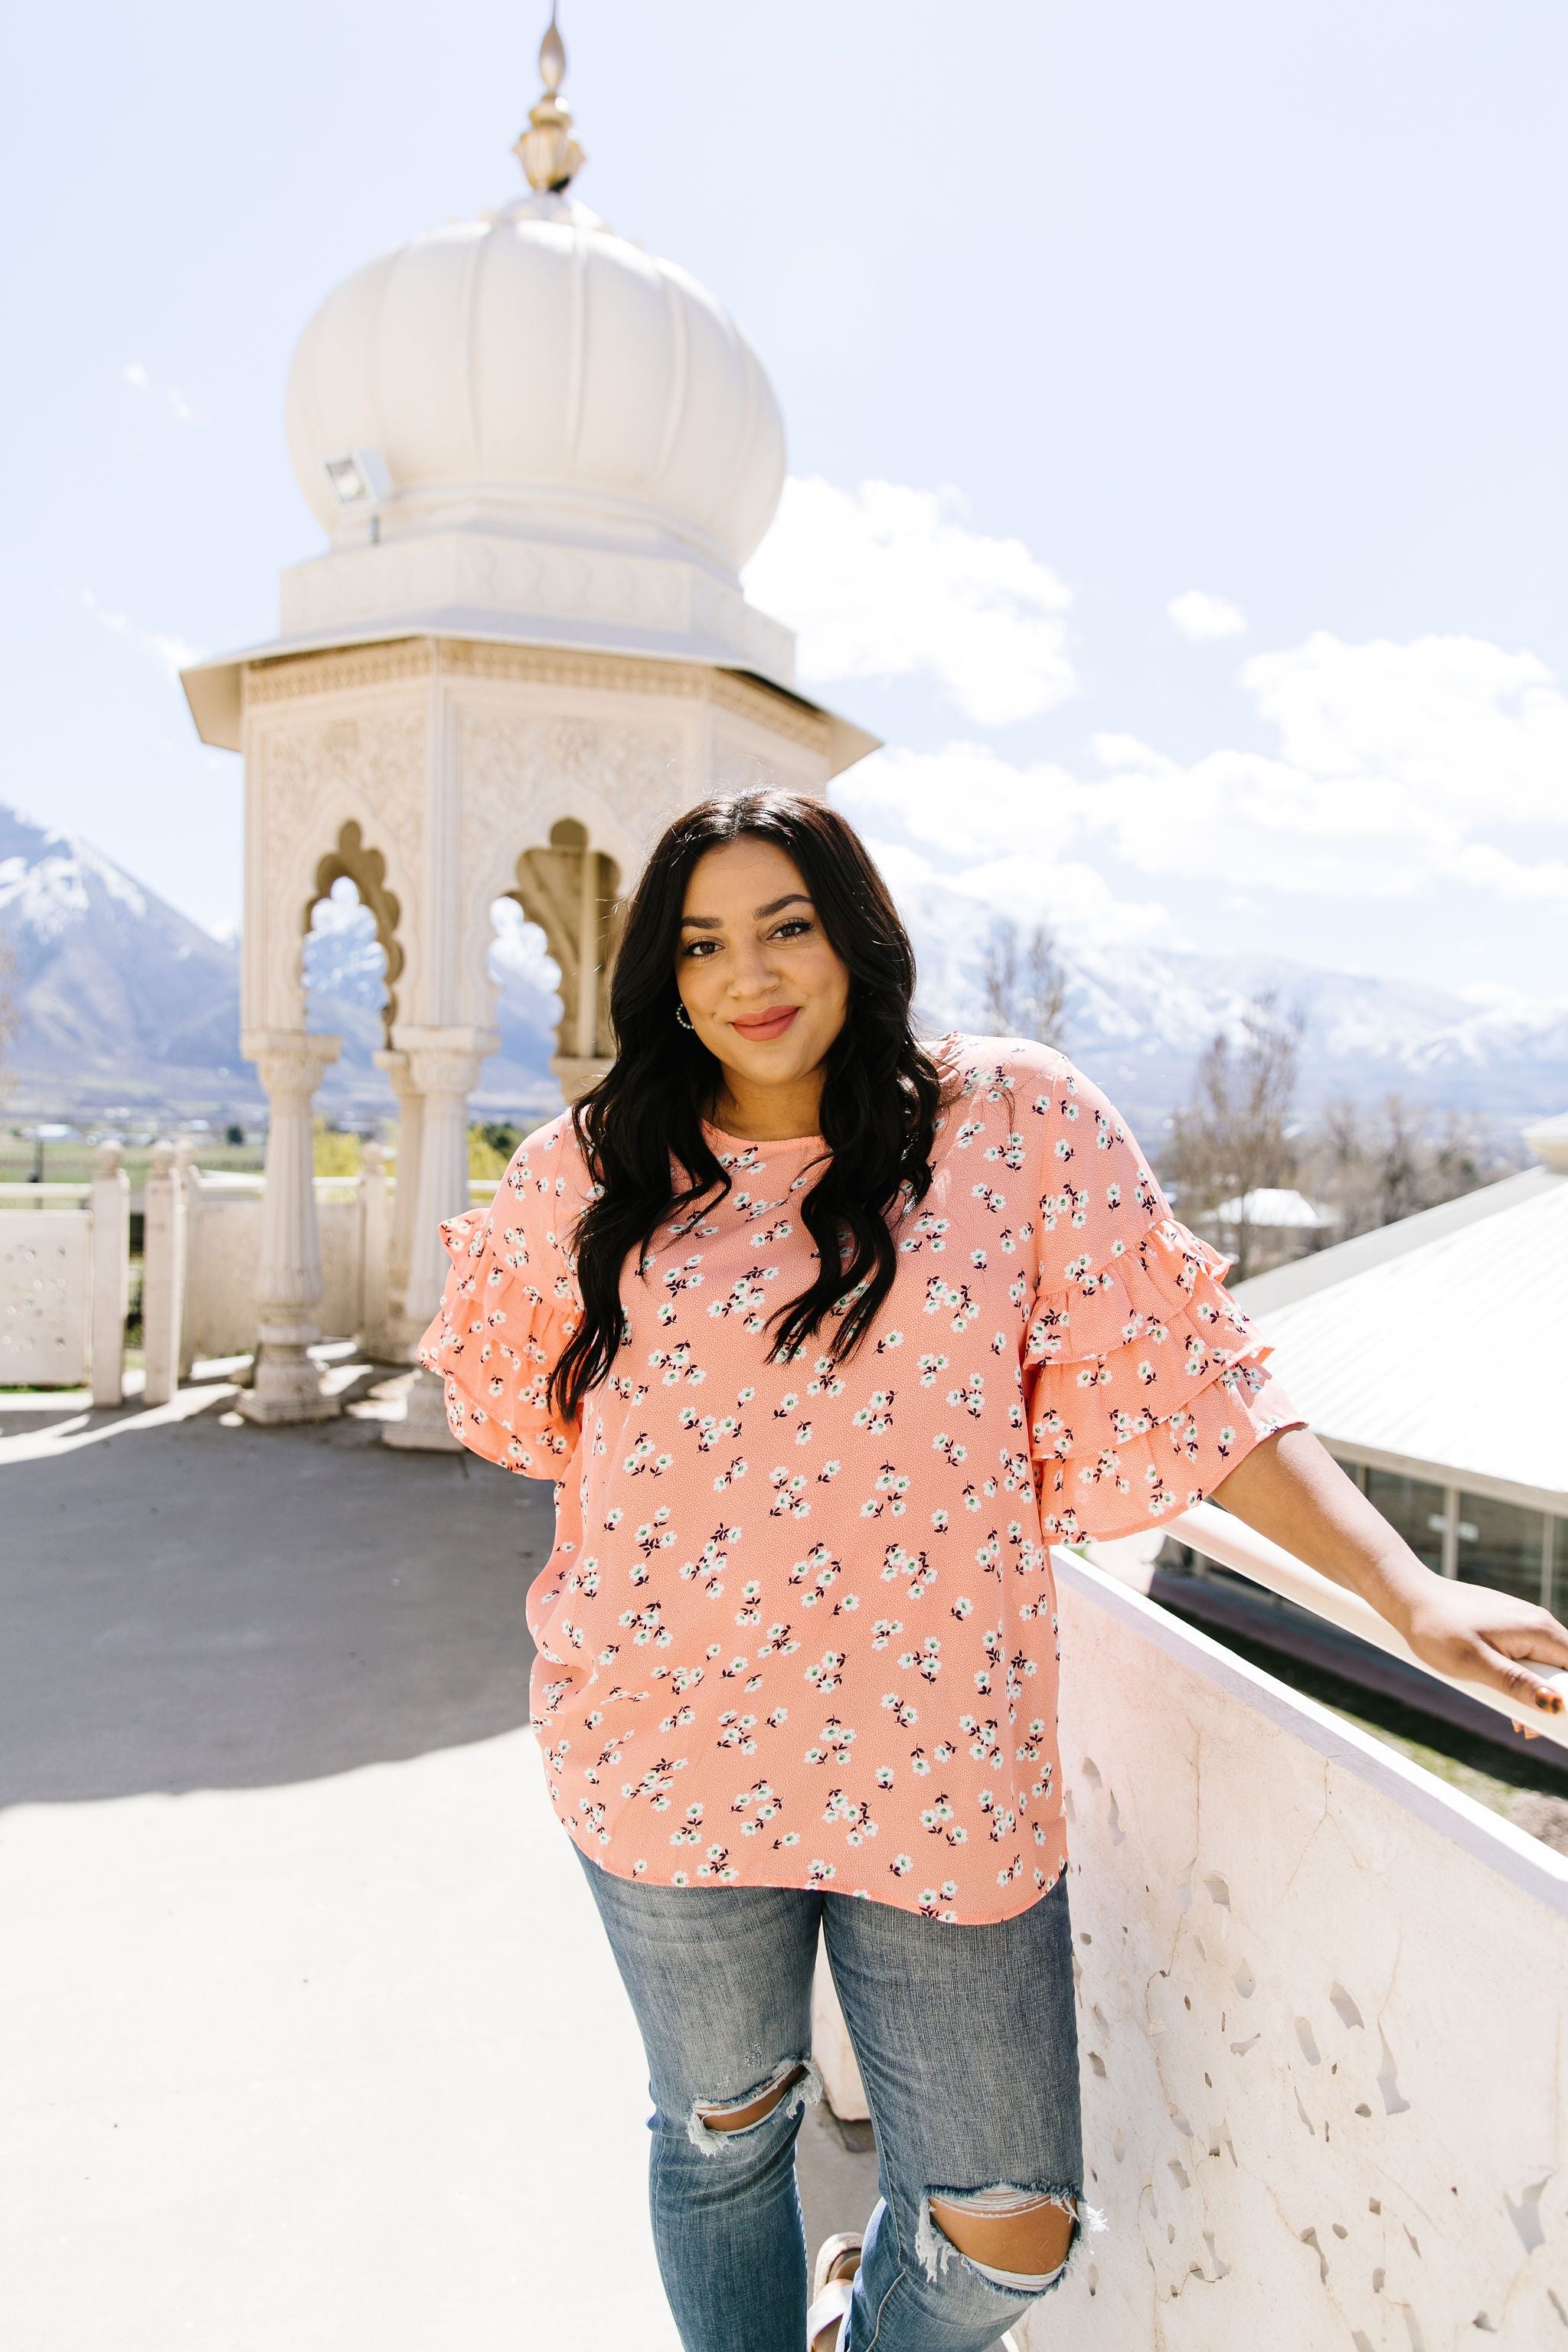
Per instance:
(882,1093)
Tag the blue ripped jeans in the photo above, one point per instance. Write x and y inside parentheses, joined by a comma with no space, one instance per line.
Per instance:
(968,2049)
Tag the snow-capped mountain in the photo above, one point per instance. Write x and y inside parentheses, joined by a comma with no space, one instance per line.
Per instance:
(123,1001)
(118,997)
(1138,1017)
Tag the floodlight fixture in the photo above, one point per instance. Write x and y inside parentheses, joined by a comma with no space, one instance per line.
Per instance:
(359,480)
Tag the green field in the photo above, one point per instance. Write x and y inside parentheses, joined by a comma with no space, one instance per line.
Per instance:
(69,1160)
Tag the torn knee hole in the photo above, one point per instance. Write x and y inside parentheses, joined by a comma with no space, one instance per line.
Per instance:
(797,2082)
(1017,2237)
(737,2118)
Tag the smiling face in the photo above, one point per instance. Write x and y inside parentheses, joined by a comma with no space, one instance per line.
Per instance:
(762,986)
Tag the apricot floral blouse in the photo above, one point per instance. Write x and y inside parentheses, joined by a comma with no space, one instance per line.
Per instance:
(798,1627)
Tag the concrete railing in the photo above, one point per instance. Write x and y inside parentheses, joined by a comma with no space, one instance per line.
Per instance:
(65,1269)
(1231,1543)
(1318,2010)
(65,1256)
(354,1221)
(223,1251)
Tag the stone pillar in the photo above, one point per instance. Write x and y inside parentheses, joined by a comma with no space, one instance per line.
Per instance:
(400,1338)
(575,1073)
(444,1065)
(580,1062)
(286,1384)
(110,1273)
(189,1183)
(163,1274)
(374,1245)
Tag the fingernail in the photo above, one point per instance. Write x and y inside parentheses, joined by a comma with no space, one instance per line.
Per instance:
(1550,1700)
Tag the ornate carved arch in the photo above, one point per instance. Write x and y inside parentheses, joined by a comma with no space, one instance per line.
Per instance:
(571,891)
(354,860)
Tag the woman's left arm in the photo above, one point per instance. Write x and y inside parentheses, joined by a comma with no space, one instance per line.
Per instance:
(1291,1488)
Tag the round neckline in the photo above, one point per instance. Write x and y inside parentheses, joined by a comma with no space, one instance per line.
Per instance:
(755,1142)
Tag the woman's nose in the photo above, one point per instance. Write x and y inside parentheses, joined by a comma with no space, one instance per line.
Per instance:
(751,970)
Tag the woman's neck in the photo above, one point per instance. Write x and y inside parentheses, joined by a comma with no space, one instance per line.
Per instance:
(767,1113)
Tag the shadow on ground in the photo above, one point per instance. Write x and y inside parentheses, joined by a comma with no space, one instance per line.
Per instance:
(193,1604)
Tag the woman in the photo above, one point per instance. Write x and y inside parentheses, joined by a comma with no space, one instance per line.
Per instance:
(825,1338)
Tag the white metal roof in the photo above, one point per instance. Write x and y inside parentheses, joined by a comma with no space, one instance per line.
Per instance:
(1440,1343)
(1271,1208)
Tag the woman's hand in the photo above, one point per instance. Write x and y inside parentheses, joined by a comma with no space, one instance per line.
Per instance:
(1479,1635)
(1292,1490)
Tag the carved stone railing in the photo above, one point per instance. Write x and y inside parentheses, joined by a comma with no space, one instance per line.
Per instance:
(1319,2010)
(64,1279)
(223,1240)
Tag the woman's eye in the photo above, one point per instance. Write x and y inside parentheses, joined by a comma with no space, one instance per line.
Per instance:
(692,945)
(795,923)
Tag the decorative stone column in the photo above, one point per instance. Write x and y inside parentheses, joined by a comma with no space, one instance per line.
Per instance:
(286,1384)
(189,1183)
(399,1338)
(575,1073)
(374,1240)
(584,914)
(110,1273)
(163,1274)
(443,1066)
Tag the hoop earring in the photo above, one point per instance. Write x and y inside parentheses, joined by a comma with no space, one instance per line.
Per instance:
(682,1015)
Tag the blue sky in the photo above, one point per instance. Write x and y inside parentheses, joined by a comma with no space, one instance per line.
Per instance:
(1226,306)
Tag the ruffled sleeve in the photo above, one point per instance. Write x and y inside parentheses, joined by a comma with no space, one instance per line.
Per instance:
(1144,1383)
(509,1306)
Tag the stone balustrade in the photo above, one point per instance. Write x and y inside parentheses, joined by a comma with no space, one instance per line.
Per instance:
(65,1270)
(64,1254)
(1320,2018)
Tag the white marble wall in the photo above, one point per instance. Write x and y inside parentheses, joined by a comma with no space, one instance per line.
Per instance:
(224,1242)
(64,1268)
(46,1295)
(1321,2002)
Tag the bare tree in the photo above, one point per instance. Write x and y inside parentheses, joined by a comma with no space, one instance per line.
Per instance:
(1025,986)
(1374,1166)
(1235,1136)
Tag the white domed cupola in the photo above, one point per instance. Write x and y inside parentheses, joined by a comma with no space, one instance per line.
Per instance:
(535,370)
(467,408)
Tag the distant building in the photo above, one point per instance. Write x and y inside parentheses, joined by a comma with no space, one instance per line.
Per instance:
(1279,1225)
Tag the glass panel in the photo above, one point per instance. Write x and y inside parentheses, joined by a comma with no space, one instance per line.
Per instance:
(1500,1544)
(1413,1508)
(1560,1574)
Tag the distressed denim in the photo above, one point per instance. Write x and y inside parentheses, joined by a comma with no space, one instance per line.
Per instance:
(967,2043)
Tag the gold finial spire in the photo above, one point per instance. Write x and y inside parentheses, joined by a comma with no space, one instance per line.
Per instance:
(547,150)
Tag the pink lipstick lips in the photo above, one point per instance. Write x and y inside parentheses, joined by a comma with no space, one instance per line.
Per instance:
(762,1025)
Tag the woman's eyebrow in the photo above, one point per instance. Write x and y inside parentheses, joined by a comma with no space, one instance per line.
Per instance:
(759,914)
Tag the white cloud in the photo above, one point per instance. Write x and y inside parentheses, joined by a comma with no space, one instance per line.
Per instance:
(888,582)
(1477,733)
(171,654)
(179,408)
(1396,767)
(1202,618)
(969,821)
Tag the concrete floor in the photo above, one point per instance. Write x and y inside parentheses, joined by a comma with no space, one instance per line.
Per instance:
(310,2037)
